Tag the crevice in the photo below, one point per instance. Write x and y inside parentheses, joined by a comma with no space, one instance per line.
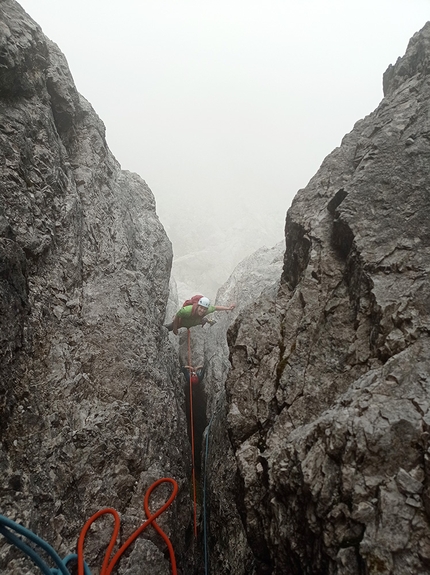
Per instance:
(257,544)
(342,237)
(336,200)
(200,421)
(297,252)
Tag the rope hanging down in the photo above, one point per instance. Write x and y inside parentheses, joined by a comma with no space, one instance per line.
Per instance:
(205,520)
(6,525)
(205,527)
(192,435)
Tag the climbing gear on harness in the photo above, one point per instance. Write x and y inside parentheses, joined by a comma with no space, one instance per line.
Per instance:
(196,373)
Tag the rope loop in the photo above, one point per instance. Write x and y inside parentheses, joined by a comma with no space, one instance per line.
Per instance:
(7,526)
(108,566)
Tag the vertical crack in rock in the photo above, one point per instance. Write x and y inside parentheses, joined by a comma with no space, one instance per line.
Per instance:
(335,479)
(297,252)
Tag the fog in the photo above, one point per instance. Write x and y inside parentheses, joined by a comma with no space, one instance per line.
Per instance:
(227,108)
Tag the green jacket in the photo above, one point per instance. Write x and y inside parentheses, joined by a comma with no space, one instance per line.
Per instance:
(186,319)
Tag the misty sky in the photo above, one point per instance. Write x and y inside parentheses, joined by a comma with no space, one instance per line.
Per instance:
(228,105)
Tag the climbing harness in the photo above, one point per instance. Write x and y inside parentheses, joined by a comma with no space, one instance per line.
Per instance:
(192,437)
(6,525)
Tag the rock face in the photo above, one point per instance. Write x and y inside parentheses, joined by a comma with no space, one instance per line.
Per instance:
(229,239)
(226,537)
(318,437)
(91,410)
(260,272)
(328,399)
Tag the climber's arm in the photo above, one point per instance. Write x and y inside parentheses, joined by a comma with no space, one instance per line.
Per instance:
(225,308)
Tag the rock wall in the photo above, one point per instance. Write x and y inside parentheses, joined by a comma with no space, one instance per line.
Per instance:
(260,272)
(318,435)
(329,394)
(91,409)
(225,535)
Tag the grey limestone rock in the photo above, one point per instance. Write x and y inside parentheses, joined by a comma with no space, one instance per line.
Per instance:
(257,274)
(260,272)
(91,410)
(327,401)
(316,407)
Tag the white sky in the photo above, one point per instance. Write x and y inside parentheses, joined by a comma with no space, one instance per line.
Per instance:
(229,103)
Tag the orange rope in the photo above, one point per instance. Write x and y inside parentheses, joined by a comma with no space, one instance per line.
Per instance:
(83,534)
(192,434)
(107,566)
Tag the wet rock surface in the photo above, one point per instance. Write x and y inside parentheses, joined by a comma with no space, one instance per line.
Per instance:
(327,401)
(226,536)
(314,412)
(92,411)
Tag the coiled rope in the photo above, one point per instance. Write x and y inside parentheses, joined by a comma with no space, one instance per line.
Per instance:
(108,566)
(6,528)
(192,436)
(7,524)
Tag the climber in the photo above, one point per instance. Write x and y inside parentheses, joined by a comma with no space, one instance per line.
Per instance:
(196,374)
(191,315)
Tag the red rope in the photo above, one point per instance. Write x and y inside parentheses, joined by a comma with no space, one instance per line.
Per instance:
(83,534)
(107,566)
(192,434)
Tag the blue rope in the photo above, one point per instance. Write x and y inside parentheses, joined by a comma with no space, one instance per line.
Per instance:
(205,537)
(71,557)
(204,505)
(37,560)
(7,524)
